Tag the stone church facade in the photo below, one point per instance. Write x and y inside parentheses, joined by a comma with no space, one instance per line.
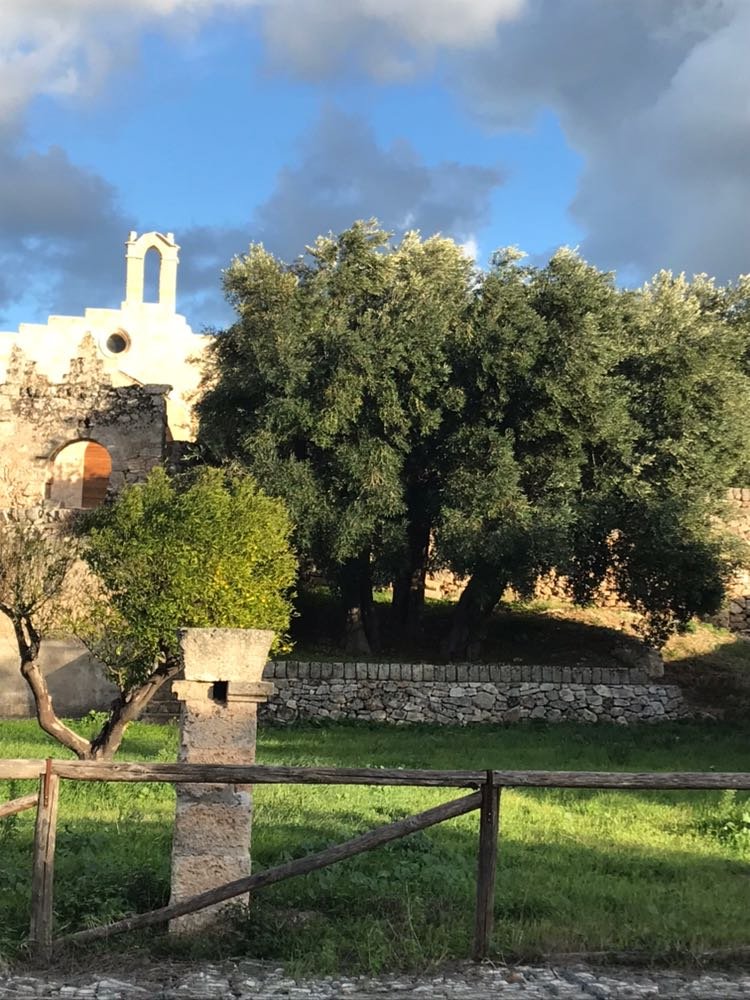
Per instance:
(84,408)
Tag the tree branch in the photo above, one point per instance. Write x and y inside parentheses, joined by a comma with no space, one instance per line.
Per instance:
(128,707)
(29,644)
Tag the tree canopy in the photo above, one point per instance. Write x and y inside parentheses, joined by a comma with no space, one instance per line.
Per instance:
(335,386)
(411,408)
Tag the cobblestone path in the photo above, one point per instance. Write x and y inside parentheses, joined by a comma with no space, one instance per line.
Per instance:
(254,981)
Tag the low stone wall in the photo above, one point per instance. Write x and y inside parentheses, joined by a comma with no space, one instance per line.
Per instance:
(464,694)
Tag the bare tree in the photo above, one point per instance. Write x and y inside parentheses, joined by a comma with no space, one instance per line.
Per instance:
(38,557)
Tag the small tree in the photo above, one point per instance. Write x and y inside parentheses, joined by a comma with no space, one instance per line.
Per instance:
(37,570)
(210,550)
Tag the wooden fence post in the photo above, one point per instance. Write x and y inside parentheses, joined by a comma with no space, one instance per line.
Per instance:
(44,864)
(489,827)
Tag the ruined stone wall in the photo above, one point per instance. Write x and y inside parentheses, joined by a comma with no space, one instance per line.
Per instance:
(38,418)
(465,694)
(736,616)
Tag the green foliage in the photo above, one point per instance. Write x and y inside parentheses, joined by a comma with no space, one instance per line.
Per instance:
(334,384)
(523,419)
(335,371)
(210,550)
(36,562)
(656,525)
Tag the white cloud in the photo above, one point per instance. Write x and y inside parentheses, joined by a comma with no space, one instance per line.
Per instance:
(656,97)
(387,38)
(470,248)
(66,47)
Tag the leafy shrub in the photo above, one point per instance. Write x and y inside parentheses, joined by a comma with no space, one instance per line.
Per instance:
(209,550)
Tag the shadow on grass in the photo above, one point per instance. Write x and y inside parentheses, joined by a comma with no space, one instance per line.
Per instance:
(513,634)
(717,682)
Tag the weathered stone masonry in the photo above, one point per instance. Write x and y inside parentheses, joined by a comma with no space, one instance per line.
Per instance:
(38,418)
(463,694)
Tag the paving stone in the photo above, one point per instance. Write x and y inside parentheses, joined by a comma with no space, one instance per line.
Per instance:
(254,980)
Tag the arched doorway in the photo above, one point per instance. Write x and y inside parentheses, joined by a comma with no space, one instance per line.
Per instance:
(80,475)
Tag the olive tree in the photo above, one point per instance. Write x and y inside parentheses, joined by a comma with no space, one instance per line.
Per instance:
(334,385)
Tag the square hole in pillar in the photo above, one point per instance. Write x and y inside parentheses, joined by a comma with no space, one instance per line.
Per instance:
(219,691)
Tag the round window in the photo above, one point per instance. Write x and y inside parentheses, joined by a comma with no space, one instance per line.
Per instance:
(117,342)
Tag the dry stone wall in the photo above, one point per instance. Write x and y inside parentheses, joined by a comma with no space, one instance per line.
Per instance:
(464,694)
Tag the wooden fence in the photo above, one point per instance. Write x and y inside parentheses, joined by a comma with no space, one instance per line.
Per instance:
(486,785)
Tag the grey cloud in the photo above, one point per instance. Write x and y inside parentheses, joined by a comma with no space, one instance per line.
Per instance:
(62,236)
(204,252)
(387,39)
(343,175)
(62,230)
(61,233)
(655,96)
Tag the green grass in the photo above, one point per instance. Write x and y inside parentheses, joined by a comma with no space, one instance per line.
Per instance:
(663,873)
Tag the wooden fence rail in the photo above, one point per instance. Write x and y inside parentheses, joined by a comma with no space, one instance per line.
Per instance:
(18,805)
(486,799)
(260,774)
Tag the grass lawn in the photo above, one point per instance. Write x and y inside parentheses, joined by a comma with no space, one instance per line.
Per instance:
(664,873)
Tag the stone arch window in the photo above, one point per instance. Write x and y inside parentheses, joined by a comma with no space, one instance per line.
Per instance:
(152,262)
(80,475)
(137,248)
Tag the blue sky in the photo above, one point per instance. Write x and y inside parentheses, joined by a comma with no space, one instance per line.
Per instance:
(620,126)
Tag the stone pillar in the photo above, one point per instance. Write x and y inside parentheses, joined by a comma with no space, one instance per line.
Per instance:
(220,694)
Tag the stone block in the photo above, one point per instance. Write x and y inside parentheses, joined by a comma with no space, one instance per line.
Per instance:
(484,700)
(193,874)
(221,731)
(224,654)
(201,825)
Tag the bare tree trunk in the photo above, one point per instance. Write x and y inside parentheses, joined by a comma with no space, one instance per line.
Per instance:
(129,707)
(361,628)
(475,605)
(29,644)
(409,587)
(124,710)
